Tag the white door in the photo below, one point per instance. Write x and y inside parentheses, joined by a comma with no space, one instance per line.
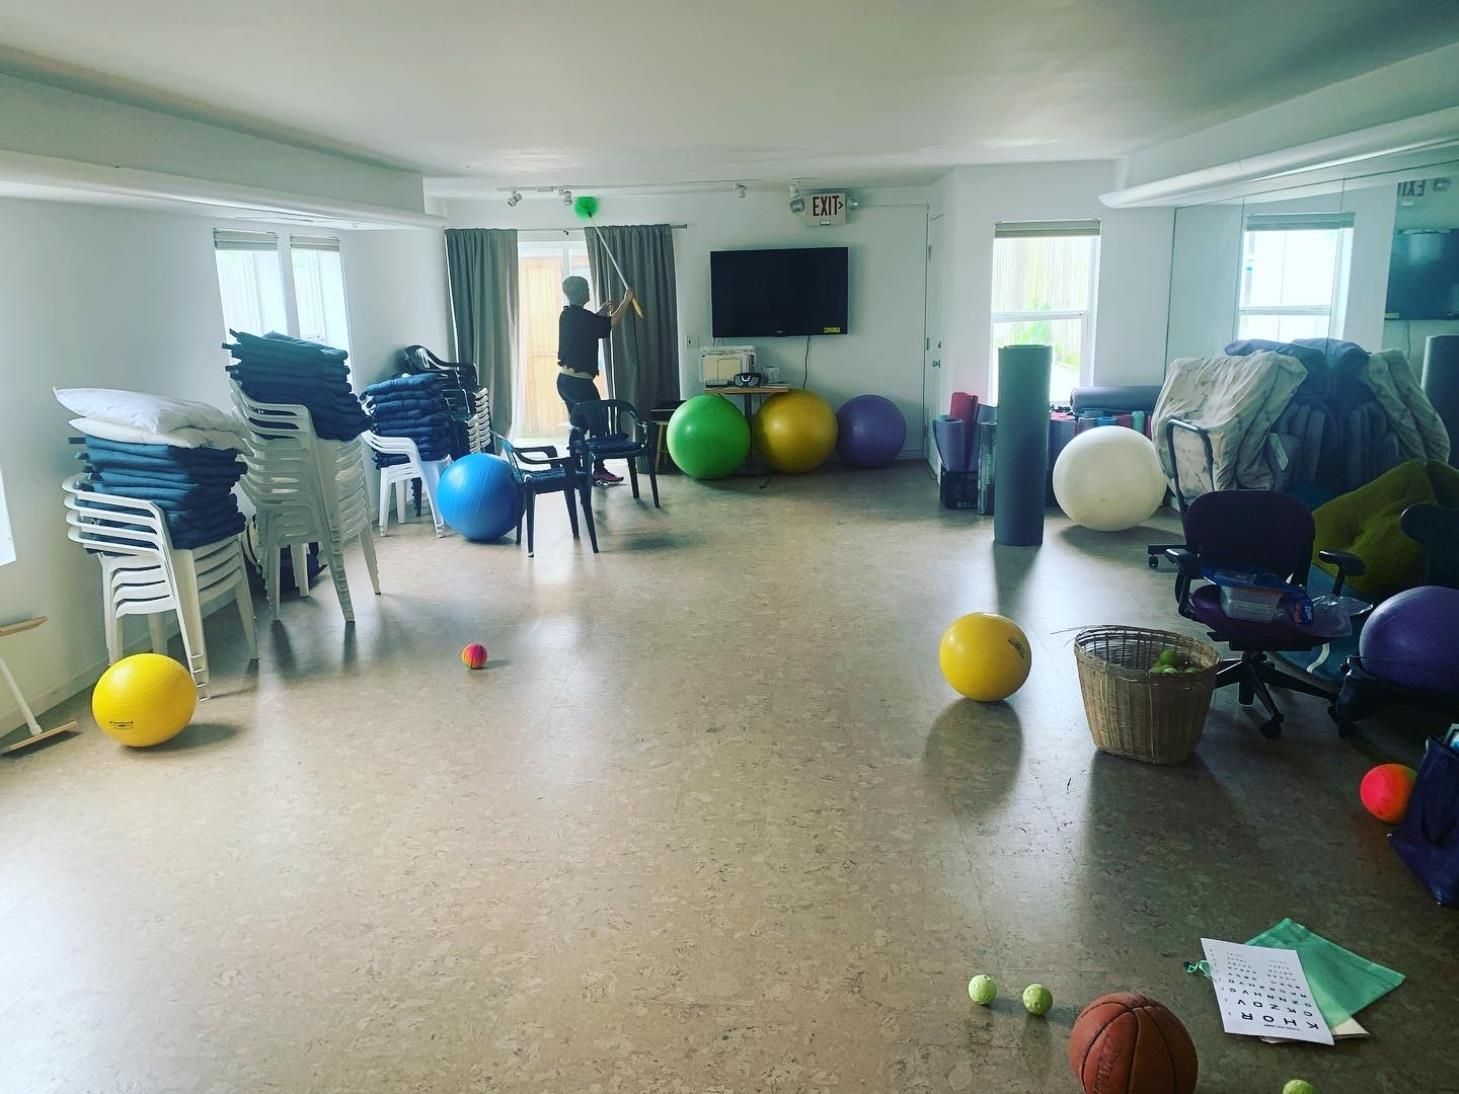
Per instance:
(932,345)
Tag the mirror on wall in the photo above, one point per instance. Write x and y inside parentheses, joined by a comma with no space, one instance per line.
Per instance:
(1372,259)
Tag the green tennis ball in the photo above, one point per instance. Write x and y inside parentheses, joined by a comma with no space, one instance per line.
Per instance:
(1298,1086)
(585,206)
(982,990)
(1037,1000)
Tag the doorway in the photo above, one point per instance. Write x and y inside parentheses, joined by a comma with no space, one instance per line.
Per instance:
(538,414)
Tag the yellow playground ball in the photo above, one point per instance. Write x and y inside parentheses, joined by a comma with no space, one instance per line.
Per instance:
(984,656)
(144,700)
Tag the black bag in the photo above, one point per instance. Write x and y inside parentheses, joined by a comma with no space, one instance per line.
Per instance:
(1428,836)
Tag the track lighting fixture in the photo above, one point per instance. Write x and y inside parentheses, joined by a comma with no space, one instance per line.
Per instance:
(797,203)
(567,197)
(515,197)
(740,190)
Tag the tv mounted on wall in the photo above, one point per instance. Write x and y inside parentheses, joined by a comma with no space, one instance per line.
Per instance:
(1423,275)
(780,293)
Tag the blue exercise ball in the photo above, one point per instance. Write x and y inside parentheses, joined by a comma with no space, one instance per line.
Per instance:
(478,497)
(1408,640)
(871,431)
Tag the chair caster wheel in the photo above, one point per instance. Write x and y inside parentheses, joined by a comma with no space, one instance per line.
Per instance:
(1272,727)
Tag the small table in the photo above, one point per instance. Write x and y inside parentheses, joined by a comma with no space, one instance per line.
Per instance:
(747,393)
(753,464)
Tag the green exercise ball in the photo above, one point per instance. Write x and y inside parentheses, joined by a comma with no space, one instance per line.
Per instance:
(708,437)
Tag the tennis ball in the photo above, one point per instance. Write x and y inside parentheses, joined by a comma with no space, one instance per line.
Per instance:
(982,990)
(1037,1000)
(1298,1086)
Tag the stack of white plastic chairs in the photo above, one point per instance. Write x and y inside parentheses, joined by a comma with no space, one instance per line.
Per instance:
(304,490)
(478,426)
(143,574)
(396,478)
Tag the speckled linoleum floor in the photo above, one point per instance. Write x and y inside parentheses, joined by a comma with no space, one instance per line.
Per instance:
(711,821)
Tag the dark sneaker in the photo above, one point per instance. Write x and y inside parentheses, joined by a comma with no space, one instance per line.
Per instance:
(603,477)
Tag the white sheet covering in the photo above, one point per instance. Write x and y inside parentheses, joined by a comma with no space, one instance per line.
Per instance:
(1236,400)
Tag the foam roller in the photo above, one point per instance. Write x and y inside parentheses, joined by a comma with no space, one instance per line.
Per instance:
(1021,465)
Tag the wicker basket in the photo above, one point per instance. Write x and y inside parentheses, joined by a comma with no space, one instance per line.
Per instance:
(1155,717)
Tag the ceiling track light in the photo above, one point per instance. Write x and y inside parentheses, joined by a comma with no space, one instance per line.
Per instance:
(567,197)
(516,197)
(797,202)
(741,190)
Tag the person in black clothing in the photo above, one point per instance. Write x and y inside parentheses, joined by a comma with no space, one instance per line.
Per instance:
(578,333)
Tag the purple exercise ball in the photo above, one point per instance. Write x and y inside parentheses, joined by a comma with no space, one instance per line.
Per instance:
(1408,640)
(870,431)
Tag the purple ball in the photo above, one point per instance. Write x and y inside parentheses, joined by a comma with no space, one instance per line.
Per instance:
(1408,640)
(870,431)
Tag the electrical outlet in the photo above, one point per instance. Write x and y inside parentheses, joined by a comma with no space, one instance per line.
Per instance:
(690,341)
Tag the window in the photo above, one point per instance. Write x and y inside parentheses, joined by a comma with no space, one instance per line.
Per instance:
(1044,278)
(319,290)
(7,543)
(542,266)
(1294,271)
(294,286)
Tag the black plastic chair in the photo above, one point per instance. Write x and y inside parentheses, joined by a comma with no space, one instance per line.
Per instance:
(1253,530)
(610,429)
(538,469)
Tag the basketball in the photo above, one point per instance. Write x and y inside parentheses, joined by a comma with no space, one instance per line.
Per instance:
(1125,1043)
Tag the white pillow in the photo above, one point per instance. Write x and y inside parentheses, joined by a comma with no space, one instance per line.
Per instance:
(152,413)
(186,437)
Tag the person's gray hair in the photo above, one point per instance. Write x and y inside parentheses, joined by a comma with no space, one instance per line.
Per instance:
(576,290)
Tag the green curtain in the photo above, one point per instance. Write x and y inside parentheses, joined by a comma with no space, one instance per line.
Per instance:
(481,264)
(642,354)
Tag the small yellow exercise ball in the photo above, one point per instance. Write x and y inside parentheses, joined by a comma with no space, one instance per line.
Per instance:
(144,700)
(794,431)
(984,656)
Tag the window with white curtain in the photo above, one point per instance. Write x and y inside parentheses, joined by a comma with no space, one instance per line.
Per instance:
(1294,275)
(1045,275)
(319,290)
(7,541)
(294,285)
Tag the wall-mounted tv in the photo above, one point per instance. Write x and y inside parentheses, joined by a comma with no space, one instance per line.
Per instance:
(1423,274)
(782,293)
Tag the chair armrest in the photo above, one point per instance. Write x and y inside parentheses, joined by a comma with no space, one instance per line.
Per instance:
(547,450)
(1348,565)
(1186,561)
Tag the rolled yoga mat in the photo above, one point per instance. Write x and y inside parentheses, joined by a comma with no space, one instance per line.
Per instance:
(1441,384)
(965,406)
(1021,467)
(951,435)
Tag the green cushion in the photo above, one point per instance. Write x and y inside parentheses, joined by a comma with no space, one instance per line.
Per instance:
(1445,481)
(1365,522)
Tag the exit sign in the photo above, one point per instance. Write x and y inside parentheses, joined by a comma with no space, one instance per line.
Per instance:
(823,210)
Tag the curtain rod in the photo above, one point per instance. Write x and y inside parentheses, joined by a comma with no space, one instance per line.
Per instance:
(565,231)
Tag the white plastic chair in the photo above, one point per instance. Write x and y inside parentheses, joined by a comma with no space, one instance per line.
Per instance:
(305,489)
(478,427)
(397,477)
(143,574)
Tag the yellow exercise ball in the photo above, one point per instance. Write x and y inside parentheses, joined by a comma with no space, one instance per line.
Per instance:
(144,700)
(794,431)
(984,656)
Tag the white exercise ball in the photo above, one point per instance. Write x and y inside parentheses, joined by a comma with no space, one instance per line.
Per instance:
(1109,479)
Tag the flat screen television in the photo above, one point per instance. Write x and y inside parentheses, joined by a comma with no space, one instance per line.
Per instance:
(1423,275)
(782,293)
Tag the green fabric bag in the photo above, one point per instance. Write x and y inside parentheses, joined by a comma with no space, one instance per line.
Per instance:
(1342,982)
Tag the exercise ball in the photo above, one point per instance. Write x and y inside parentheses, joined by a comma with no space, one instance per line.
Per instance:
(1126,1043)
(794,431)
(1109,479)
(870,431)
(478,497)
(1409,639)
(984,656)
(708,437)
(144,700)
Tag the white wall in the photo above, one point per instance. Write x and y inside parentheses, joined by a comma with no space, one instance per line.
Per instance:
(1134,268)
(109,297)
(41,120)
(887,237)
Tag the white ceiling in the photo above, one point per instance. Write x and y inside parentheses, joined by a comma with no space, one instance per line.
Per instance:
(655,91)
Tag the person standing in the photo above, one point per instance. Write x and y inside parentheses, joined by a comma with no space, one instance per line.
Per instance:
(578,333)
